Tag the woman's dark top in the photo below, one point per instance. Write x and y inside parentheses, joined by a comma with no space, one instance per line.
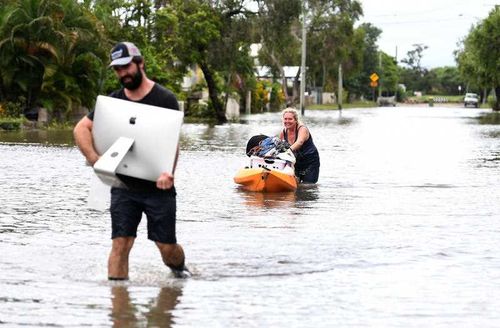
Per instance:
(307,155)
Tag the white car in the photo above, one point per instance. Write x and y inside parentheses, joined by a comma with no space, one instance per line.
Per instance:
(471,99)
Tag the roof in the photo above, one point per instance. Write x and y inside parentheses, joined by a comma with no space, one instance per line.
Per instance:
(265,71)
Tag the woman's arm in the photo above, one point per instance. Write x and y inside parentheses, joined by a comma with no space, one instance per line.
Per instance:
(303,135)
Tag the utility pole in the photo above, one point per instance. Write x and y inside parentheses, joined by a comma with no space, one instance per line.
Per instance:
(303,60)
(380,73)
(339,101)
(397,72)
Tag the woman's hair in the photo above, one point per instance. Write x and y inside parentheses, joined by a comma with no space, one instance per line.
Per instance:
(292,111)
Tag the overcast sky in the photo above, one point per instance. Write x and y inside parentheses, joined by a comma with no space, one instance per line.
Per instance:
(439,24)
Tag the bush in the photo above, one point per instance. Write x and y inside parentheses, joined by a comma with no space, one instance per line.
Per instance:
(11,109)
(491,100)
(11,124)
(199,110)
(260,96)
(277,96)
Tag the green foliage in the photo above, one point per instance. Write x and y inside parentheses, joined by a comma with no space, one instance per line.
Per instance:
(332,41)
(50,53)
(330,38)
(277,26)
(447,80)
(389,75)
(199,110)
(11,109)
(414,76)
(55,53)
(261,96)
(478,60)
(414,57)
(358,83)
(11,124)
(277,100)
(215,37)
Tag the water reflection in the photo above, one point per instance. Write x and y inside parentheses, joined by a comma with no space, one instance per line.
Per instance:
(490,118)
(125,311)
(308,192)
(35,136)
(268,200)
(304,193)
(406,211)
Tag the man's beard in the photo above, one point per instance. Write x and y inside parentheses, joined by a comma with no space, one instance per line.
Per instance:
(134,83)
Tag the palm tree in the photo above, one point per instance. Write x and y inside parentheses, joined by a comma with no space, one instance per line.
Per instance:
(74,75)
(24,33)
(51,53)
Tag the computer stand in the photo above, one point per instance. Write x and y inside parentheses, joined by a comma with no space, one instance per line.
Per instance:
(105,168)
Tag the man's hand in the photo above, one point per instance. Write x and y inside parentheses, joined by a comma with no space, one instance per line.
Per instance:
(165,181)
(91,160)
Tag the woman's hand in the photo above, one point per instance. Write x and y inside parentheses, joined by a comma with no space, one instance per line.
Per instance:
(165,181)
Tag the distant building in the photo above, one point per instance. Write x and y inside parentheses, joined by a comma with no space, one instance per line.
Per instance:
(264,72)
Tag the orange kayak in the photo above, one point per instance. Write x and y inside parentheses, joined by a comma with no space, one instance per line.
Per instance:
(267,175)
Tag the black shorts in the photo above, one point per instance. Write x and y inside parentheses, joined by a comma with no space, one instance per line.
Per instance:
(126,212)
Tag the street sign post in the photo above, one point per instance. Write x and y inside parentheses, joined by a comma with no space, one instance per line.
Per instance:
(373,83)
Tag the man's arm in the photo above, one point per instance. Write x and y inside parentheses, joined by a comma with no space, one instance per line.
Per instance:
(83,138)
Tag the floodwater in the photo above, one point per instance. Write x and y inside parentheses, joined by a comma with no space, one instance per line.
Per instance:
(402,230)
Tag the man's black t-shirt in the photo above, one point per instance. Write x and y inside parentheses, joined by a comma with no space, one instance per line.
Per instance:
(160,97)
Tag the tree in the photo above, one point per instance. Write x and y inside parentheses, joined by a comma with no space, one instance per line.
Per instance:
(50,55)
(73,77)
(26,38)
(389,75)
(358,83)
(332,41)
(214,35)
(413,76)
(414,57)
(278,28)
(330,38)
(479,61)
(447,80)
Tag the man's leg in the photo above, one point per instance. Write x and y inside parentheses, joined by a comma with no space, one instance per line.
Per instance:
(118,258)
(172,255)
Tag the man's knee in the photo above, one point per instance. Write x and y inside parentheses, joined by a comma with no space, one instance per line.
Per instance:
(122,245)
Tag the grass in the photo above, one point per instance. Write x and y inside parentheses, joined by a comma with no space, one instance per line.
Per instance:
(437,99)
(426,98)
(11,124)
(355,104)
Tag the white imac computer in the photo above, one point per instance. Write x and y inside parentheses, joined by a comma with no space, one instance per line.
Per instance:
(134,139)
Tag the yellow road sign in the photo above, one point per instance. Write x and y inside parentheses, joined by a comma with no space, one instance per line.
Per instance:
(373,84)
(374,77)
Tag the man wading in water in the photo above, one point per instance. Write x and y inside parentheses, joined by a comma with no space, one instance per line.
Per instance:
(156,200)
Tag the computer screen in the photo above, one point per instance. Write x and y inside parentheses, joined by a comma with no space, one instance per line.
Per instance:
(154,131)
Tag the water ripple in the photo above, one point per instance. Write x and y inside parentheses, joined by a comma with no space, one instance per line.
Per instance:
(401,231)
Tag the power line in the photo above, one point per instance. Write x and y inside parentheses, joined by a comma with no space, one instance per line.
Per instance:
(426,21)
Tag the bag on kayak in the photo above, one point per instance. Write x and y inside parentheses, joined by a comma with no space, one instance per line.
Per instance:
(266,147)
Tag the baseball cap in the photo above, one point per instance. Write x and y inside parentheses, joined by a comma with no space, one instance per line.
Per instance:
(123,53)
